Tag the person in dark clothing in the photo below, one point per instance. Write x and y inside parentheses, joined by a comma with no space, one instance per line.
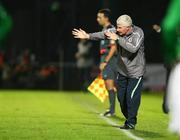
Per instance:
(108,70)
(130,64)
(108,59)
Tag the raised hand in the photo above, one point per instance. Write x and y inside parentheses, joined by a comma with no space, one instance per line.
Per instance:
(81,34)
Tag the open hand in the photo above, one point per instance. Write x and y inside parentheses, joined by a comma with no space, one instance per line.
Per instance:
(81,34)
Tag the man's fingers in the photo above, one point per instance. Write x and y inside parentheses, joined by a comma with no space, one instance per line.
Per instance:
(82,31)
(75,30)
(79,33)
(74,33)
(107,33)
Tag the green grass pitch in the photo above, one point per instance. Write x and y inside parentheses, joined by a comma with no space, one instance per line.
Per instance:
(50,115)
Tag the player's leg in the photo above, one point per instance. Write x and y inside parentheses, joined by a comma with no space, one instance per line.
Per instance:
(112,95)
(109,77)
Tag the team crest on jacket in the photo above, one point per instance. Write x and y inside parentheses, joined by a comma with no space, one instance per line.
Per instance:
(130,39)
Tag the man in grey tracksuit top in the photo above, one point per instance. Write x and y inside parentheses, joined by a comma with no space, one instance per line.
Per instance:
(130,51)
(130,66)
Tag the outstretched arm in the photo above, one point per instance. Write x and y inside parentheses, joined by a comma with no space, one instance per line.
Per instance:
(81,34)
(97,36)
(101,35)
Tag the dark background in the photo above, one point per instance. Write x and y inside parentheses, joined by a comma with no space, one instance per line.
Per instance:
(46,32)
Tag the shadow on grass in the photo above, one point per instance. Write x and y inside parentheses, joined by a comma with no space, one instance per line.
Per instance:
(147,134)
(95,124)
(143,133)
(115,118)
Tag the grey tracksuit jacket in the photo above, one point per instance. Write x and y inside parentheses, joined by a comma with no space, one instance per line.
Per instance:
(131,59)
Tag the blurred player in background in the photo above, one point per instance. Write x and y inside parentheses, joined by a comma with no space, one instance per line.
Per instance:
(171,36)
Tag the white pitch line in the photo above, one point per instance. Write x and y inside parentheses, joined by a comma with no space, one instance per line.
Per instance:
(109,121)
(128,133)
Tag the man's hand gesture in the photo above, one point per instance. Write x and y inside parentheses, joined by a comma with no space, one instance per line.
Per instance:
(111,36)
(81,34)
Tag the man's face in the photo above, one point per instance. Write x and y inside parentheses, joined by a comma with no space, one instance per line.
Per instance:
(122,30)
(101,19)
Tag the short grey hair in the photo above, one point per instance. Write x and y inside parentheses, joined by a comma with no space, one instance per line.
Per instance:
(124,20)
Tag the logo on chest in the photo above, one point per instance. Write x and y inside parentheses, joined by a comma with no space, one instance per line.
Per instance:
(130,40)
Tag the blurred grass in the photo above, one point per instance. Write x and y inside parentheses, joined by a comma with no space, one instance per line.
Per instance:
(50,115)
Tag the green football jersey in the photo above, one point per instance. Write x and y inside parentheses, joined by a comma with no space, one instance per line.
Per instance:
(171,32)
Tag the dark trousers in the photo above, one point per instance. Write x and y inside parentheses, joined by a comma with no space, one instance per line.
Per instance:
(129,96)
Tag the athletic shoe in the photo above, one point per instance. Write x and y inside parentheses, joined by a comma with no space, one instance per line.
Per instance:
(107,114)
(127,126)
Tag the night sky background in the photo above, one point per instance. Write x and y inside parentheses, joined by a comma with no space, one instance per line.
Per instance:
(44,26)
